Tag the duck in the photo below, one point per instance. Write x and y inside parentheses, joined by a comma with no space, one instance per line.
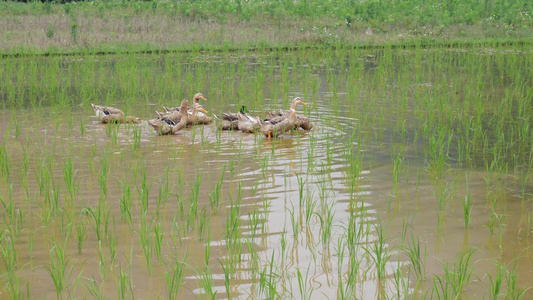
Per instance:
(195,101)
(200,111)
(247,123)
(301,120)
(173,116)
(108,114)
(204,119)
(165,126)
(194,117)
(229,121)
(201,114)
(113,118)
(274,129)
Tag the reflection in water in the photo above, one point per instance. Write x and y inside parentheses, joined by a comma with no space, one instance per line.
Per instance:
(332,213)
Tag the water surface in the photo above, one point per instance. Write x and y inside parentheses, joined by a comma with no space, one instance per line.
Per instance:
(386,158)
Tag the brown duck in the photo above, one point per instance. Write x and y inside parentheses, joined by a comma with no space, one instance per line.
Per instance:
(229,121)
(108,114)
(195,101)
(301,120)
(274,129)
(165,126)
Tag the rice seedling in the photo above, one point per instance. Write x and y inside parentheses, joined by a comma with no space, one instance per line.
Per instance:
(126,203)
(102,178)
(102,262)
(69,178)
(513,291)
(494,214)
(158,239)
(379,254)
(467,209)
(495,284)
(80,234)
(55,197)
(416,257)
(443,196)
(145,235)
(267,280)
(341,247)
(295,224)
(396,172)
(9,259)
(99,217)
(206,278)
(17,127)
(144,190)
(203,224)
(82,127)
(94,289)
(326,223)
(23,172)
(401,283)
(122,285)
(253,262)
(455,278)
(30,245)
(232,234)
(193,200)
(226,279)
(5,162)
(9,207)
(310,206)
(306,292)
(253,222)
(112,245)
(58,268)
(136,130)
(175,275)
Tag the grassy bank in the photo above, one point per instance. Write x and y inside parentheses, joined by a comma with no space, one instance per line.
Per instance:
(119,26)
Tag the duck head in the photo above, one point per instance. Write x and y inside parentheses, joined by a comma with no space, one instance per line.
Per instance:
(297,101)
(197,97)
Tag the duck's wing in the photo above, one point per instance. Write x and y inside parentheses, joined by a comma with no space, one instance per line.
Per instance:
(108,110)
(162,127)
(174,117)
(277,119)
(230,116)
(269,115)
(171,109)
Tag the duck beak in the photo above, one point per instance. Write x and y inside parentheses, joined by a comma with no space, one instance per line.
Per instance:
(303,102)
(203,110)
(203,98)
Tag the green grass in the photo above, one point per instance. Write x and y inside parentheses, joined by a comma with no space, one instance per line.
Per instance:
(150,26)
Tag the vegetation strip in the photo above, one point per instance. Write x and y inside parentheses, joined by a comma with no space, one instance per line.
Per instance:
(456,45)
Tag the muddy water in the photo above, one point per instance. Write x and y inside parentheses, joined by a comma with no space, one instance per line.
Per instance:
(344,168)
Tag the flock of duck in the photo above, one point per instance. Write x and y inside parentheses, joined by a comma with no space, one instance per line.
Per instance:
(174,119)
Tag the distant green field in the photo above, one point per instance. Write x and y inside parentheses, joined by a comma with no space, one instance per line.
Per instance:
(125,26)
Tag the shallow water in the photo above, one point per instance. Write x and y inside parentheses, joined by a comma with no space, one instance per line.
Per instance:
(370,159)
